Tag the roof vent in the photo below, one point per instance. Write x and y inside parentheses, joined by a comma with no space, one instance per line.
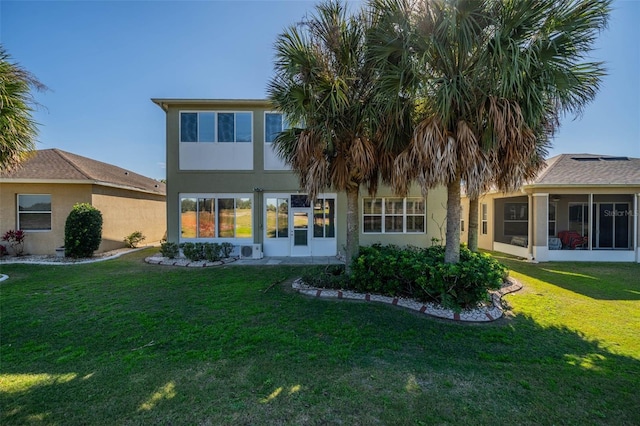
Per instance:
(126,173)
(586,158)
(615,158)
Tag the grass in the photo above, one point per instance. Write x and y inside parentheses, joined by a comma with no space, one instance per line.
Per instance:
(122,342)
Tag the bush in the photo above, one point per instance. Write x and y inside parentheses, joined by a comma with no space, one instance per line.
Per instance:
(82,231)
(3,250)
(132,240)
(331,276)
(170,250)
(212,252)
(422,274)
(15,240)
(193,251)
(227,248)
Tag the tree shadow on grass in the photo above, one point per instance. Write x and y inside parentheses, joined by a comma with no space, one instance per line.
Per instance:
(597,280)
(350,362)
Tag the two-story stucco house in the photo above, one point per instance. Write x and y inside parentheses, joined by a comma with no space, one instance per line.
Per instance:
(225,183)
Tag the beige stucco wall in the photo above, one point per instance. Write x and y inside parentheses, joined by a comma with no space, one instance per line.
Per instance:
(435,219)
(63,197)
(124,212)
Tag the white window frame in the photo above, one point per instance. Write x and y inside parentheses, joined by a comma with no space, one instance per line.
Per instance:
(325,217)
(216,196)
(18,213)
(404,215)
(484,218)
(215,125)
(285,124)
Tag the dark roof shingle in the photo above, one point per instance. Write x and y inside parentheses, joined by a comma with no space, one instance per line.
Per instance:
(55,164)
(590,169)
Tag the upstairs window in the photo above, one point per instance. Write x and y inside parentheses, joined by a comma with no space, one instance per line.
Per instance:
(274,123)
(210,126)
(34,212)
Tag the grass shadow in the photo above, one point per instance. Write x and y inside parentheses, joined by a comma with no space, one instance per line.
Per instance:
(126,342)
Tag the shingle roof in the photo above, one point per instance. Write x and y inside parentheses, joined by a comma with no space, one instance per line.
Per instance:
(55,165)
(589,169)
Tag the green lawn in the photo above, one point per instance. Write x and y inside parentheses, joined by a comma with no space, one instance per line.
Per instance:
(122,342)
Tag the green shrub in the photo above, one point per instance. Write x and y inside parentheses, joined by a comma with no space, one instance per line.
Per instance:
(82,231)
(330,276)
(132,240)
(170,250)
(193,251)
(422,274)
(212,252)
(227,248)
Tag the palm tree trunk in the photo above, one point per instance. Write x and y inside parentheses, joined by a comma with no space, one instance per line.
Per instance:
(452,248)
(353,228)
(472,237)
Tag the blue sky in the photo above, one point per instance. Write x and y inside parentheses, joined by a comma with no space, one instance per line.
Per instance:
(104,60)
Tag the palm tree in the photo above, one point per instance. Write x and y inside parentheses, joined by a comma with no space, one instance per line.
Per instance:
(324,84)
(18,131)
(491,79)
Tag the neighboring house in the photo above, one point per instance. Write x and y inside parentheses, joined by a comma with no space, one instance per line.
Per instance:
(38,196)
(581,207)
(225,183)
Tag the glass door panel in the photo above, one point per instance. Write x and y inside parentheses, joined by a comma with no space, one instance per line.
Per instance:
(300,228)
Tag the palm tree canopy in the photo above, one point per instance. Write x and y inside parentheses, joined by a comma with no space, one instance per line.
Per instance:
(490,79)
(17,128)
(324,84)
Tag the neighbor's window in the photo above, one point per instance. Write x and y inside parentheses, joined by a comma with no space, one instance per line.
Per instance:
(34,212)
(393,215)
(516,219)
(579,218)
(211,126)
(484,218)
(552,219)
(215,217)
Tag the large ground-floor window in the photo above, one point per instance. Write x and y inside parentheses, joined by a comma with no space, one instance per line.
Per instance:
(216,216)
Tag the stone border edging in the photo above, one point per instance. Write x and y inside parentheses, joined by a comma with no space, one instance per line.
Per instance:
(159,260)
(475,315)
(3,277)
(26,261)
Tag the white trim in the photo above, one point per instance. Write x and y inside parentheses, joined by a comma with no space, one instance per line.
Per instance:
(635,227)
(591,255)
(79,182)
(511,249)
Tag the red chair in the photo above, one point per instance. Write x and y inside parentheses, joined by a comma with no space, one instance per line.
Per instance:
(572,239)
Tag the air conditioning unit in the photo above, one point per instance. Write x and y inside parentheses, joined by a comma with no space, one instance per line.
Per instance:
(251,251)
